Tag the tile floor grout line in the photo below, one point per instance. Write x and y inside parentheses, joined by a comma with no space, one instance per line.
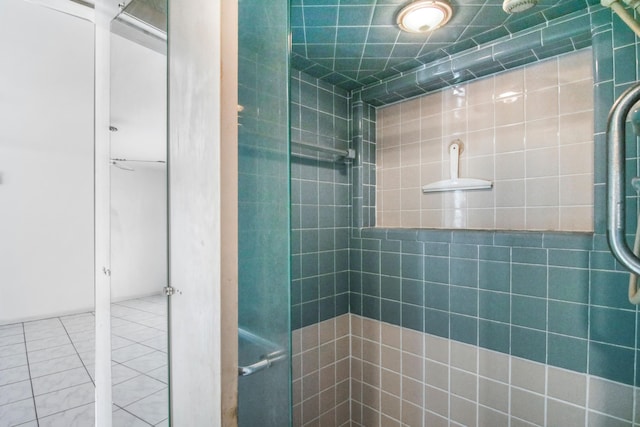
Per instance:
(140,343)
(15,343)
(63,389)
(15,382)
(19,400)
(132,414)
(57,372)
(78,354)
(49,360)
(165,389)
(65,410)
(138,323)
(139,372)
(33,395)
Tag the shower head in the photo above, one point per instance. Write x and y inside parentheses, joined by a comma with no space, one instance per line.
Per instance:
(516,6)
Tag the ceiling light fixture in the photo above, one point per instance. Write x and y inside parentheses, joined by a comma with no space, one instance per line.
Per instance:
(423,16)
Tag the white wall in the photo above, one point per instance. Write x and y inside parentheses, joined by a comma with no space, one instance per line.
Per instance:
(138,230)
(46,162)
(138,101)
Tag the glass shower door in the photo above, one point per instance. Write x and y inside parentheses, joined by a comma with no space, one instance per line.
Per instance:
(138,214)
(264,254)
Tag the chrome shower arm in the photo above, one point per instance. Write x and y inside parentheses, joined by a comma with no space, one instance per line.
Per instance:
(615,179)
(619,9)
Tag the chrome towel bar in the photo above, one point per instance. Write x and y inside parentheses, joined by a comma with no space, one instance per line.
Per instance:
(272,352)
(346,154)
(265,362)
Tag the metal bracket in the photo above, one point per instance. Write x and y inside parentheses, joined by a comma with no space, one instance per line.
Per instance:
(168,291)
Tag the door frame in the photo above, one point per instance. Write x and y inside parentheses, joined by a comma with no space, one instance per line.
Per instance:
(104,12)
(203,211)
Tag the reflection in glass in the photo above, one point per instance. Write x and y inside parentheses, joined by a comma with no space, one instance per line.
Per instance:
(138,204)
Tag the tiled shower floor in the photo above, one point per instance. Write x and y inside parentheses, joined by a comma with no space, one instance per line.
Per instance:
(47,368)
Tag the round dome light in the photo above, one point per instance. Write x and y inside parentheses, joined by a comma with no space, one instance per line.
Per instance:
(423,16)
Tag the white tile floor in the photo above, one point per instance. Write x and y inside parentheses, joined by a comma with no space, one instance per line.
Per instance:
(46,368)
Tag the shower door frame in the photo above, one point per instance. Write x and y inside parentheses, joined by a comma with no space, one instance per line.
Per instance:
(203,211)
(102,190)
(212,391)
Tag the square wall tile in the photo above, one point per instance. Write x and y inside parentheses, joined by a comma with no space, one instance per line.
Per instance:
(559,413)
(541,104)
(529,130)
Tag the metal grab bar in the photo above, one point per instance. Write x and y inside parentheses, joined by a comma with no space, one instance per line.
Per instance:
(266,361)
(634,295)
(616,175)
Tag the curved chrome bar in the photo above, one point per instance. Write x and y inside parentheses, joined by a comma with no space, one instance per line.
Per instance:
(616,176)
(265,362)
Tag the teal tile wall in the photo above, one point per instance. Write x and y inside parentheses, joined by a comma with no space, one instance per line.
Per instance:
(320,203)
(555,298)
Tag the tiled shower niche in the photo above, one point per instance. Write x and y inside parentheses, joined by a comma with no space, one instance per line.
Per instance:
(528,130)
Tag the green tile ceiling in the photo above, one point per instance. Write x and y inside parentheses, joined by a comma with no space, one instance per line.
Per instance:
(352,43)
